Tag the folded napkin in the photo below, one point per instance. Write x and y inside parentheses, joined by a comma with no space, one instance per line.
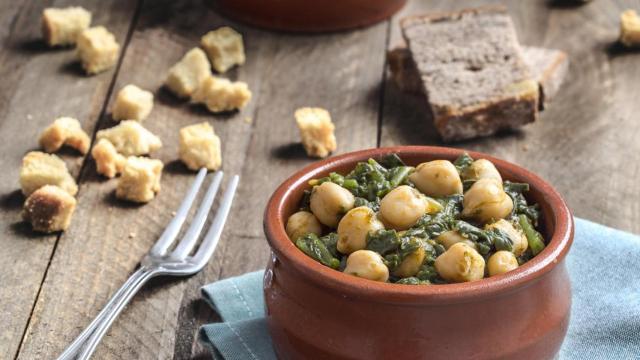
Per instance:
(604,265)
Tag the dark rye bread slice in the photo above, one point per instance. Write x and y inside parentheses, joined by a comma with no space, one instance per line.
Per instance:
(548,67)
(472,71)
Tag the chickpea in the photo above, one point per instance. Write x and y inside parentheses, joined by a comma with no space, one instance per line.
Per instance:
(302,223)
(411,264)
(517,237)
(437,178)
(502,262)
(482,169)
(329,202)
(448,238)
(401,208)
(354,228)
(486,201)
(367,264)
(460,263)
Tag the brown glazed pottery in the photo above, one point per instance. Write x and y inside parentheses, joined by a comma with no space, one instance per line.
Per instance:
(315,312)
(309,16)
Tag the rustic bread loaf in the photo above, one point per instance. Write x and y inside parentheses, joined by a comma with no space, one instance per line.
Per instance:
(549,67)
(472,71)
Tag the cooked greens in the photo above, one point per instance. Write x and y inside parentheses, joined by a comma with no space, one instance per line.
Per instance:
(442,243)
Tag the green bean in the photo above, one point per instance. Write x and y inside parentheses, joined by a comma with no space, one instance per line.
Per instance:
(536,244)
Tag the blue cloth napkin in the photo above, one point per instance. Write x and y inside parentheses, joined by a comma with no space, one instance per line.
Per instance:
(604,265)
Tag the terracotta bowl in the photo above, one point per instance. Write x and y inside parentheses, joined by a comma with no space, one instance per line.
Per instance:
(309,16)
(315,312)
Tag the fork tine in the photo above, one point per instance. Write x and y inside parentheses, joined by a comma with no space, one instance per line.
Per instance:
(170,233)
(186,244)
(210,240)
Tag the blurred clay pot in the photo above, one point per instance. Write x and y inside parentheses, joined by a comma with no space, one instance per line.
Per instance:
(309,16)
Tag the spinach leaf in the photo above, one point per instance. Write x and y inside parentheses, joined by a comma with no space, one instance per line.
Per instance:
(436,224)
(306,200)
(520,205)
(315,248)
(412,281)
(331,242)
(373,205)
(463,162)
(383,241)
(499,239)
(391,161)
(428,273)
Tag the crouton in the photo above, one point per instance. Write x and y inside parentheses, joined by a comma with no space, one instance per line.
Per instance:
(316,130)
(224,47)
(132,103)
(97,49)
(64,131)
(219,94)
(108,162)
(40,169)
(49,209)
(140,179)
(131,138)
(61,26)
(200,147)
(187,75)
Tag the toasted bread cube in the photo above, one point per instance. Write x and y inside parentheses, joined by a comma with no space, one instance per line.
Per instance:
(224,47)
(62,26)
(316,130)
(187,75)
(630,28)
(64,131)
(49,209)
(131,138)
(200,147)
(132,103)
(140,179)
(40,169)
(108,162)
(97,49)
(219,94)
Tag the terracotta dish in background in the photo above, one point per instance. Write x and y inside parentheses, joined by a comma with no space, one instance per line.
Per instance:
(309,16)
(315,312)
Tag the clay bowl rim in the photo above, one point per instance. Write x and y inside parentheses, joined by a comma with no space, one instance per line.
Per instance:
(354,287)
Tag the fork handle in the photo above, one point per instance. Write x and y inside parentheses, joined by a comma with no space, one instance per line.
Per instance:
(84,345)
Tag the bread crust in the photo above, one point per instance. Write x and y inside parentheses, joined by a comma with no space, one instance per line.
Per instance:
(49,209)
(461,111)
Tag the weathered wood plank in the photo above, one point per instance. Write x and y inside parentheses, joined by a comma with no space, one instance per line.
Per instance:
(583,142)
(109,237)
(160,322)
(38,84)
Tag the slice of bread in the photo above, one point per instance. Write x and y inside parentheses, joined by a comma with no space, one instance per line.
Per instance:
(472,71)
(549,67)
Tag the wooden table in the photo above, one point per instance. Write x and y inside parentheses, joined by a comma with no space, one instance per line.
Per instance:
(585,144)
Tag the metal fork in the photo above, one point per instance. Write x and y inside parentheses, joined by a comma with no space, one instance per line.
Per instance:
(159,262)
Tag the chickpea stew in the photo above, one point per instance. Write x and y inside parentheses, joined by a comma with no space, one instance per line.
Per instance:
(437,223)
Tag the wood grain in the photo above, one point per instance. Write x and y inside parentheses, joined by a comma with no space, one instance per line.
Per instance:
(583,142)
(30,98)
